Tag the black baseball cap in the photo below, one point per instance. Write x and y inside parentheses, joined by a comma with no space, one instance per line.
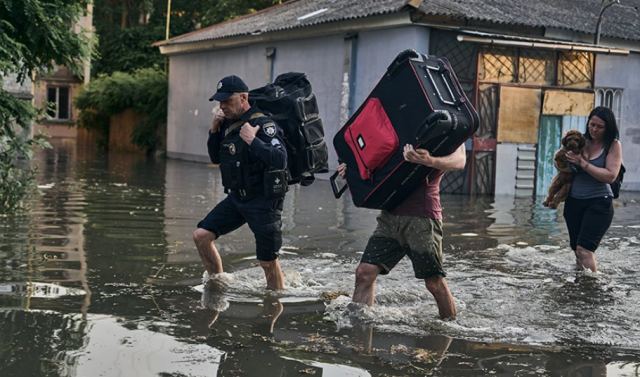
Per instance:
(227,86)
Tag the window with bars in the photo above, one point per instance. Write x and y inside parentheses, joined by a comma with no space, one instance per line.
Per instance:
(575,69)
(536,67)
(498,65)
(58,104)
(611,98)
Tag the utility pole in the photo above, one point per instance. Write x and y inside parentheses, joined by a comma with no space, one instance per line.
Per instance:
(605,4)
(166,34)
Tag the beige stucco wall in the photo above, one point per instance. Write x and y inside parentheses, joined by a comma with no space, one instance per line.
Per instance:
(57,128)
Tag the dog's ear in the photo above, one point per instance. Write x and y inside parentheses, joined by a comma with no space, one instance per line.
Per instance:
(565,140)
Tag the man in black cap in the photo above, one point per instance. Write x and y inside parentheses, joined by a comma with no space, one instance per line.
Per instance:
(249,148)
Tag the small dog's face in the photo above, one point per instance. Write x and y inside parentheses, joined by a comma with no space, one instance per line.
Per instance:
(573,141)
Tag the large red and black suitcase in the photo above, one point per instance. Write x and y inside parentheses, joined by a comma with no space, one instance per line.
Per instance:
(418,101)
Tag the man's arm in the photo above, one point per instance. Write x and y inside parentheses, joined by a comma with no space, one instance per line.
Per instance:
(265,142)
(215,137)
(454,161)
(213,146)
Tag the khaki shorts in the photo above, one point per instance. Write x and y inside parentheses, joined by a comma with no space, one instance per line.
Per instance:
(396,236)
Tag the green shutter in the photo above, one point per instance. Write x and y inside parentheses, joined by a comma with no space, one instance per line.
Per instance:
(549,136)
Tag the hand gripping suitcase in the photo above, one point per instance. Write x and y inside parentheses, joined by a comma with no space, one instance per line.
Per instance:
(418,101)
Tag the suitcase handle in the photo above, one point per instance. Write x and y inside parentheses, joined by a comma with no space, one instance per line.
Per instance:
(400,59)
(453,101)
(337,191)
(441,118)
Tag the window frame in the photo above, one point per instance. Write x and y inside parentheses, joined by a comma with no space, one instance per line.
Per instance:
(54,113)
(612,98)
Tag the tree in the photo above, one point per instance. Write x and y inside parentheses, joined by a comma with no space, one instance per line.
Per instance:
(35,36)
(127,28)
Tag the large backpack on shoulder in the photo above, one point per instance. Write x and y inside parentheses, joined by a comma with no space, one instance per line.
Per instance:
(291,103)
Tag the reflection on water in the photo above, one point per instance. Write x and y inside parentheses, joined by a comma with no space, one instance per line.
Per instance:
(101,278)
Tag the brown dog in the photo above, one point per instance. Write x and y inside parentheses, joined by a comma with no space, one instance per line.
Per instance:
(573,141)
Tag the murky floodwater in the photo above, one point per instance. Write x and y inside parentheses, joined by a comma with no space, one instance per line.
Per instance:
(101,278)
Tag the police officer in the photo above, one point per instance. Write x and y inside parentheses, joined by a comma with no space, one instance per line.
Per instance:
(249,148)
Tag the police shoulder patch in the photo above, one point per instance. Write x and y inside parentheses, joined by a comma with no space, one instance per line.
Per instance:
(269,129)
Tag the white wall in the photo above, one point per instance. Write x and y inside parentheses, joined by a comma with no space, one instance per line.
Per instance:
(624,72)
(322,60)
(376,49)
(506,168)
(193,78)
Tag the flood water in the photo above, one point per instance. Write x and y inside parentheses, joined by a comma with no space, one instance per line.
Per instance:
(101,278)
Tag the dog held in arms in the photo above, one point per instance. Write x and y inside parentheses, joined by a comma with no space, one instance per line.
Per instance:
(573,141)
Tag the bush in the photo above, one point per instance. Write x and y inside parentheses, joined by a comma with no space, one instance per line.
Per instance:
(16,180)
(144,91)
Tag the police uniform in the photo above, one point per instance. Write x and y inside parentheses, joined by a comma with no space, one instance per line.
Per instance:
(254,177)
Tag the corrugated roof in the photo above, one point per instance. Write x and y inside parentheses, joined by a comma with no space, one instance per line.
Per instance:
(289,16)
(620,21)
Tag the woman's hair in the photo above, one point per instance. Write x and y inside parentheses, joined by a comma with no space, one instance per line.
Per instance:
(611,132)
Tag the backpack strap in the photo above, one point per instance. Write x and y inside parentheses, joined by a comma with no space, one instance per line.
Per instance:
(237,124)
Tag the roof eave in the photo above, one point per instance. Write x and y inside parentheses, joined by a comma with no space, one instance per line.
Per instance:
(384,21)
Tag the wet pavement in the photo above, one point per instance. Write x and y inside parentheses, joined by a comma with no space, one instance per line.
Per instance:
(101,278)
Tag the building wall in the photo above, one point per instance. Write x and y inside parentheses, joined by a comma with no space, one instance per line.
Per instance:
(506,168)
(322,60)
(57,128)
(9,82)
(622,72)
(376,49)
(22,90)
(193,78)
(62,76)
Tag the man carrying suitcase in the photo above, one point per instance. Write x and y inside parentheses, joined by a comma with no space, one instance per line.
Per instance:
(413,228)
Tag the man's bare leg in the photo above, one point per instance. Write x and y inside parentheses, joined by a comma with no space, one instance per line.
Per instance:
(273,274)
(207,250)
(439,288)
(365,290)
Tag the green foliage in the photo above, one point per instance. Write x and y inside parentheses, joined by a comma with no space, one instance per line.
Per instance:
(35,35)
(16,181)
(127,29)
(222,10)
(144,91)
(129,49)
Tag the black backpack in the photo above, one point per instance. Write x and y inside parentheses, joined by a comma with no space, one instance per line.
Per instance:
(615,186)
(291,104)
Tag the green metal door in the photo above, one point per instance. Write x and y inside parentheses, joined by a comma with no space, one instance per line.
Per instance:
(549,135)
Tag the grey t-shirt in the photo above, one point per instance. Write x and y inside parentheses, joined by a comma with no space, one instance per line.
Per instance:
(586,187)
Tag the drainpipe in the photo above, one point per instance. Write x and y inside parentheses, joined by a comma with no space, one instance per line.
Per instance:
(605,4)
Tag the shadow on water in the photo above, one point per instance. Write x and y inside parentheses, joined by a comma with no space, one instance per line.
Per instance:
(101,278)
